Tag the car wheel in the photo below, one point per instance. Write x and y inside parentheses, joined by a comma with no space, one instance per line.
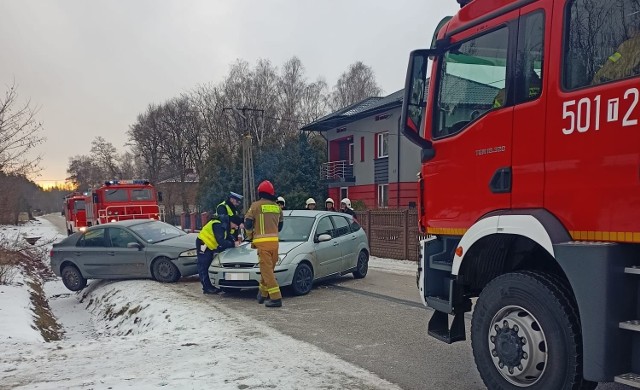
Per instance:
(72,278)
(363,265)
(302,279)
(165,271)
(518,317)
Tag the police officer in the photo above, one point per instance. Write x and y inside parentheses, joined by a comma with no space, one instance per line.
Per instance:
(263,221)
(213,238)
(229,208)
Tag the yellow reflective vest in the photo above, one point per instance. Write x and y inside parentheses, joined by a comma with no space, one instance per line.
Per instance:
(207,236)
(230,213)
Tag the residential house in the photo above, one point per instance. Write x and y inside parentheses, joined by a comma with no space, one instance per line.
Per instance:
(369,160)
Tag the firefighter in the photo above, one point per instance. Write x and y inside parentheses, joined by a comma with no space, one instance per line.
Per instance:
(212,239)
(229,208)
(281,202)
(329,205)
(310,204)
(625,62)
(345,207)
(263,221)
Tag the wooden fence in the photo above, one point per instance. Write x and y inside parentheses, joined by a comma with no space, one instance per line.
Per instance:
(392,233)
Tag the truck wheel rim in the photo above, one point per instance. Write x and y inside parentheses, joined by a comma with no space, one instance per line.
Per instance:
(517,346)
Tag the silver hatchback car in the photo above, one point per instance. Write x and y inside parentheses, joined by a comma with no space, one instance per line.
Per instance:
(314,245)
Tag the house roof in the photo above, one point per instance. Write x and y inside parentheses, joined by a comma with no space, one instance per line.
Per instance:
(367,107)
(467,92)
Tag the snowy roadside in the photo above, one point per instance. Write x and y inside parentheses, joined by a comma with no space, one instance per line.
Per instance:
(392,266)
(142,334)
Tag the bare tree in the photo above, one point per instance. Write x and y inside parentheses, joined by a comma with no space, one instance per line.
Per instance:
(84,172)
(106,156)
(146,139)
(354,85)
(19,132)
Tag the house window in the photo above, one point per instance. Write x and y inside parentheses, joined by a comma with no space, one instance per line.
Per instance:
(383,196)
(383,149)
(344,192)
(351,153)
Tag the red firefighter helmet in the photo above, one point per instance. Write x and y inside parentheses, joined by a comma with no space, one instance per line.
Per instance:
(267,188)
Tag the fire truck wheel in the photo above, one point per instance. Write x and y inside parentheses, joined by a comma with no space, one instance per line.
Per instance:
(518,317)
(72,278)
(165,271)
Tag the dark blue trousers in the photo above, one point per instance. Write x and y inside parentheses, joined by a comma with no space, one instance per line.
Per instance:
(204,261)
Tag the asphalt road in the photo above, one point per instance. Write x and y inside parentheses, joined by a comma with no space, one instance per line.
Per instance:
(377,323)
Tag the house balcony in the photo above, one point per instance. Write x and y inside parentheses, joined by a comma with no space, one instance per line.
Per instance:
(337,171)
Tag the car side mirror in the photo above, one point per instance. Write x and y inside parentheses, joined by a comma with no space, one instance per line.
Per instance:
(134,245)
(323,238)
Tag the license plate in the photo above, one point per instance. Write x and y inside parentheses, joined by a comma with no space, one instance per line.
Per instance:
(236,276)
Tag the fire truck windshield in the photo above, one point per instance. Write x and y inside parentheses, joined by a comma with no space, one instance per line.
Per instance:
(78,205)
(472,81)
(141,194)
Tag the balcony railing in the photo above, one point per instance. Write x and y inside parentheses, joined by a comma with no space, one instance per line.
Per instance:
(337,171)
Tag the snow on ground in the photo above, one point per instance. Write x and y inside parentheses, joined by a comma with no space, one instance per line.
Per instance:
(392,266)
(16,320)
(145,335)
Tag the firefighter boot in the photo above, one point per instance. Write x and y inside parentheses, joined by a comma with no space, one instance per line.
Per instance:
(273,303)
(261,298)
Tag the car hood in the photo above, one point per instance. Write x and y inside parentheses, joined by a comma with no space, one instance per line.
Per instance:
(245,254)
(188,241)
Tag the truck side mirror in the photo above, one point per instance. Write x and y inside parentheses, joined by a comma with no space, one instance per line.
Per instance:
(415,97)
(94,196)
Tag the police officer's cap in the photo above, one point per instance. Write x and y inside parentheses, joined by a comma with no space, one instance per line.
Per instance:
(236,196)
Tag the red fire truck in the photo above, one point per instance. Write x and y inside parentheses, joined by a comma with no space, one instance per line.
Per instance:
(74,211)
(530,188)
(119,200)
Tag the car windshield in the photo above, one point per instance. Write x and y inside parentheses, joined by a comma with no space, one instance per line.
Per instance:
(296,228)
(156,231)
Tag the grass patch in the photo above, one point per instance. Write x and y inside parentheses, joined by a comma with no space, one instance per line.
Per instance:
(44,322)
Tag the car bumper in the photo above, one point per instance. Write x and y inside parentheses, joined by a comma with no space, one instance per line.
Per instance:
(187,265)
(247,278)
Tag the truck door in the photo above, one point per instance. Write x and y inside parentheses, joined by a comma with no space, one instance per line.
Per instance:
(471,127)
(529,116)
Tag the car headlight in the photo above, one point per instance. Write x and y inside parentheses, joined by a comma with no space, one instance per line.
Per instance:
(216,261)
(189,253)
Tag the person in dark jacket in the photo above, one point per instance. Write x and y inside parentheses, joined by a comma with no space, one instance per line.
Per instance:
(212,239)
(229,208)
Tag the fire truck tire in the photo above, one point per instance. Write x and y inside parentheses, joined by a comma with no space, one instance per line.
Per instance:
(72,278)
(165,271)
(517,316)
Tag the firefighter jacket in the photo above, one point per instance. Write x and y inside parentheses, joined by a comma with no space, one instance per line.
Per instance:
(623,63)
(225,210)
(214,236)
(264,221)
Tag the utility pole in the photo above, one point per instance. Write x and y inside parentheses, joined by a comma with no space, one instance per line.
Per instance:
(248,177)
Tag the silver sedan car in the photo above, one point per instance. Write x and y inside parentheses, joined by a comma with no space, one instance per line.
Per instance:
(125,249)
(314,245)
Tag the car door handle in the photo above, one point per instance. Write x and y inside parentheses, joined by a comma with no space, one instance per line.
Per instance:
(111,253)
(353,237)
(78,253)
(336,243)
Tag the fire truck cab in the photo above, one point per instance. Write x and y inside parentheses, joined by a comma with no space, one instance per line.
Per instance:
(119,200)
(75,213)
(527,115)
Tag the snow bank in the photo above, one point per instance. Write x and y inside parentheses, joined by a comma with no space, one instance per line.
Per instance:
(148,335)
(16,318)
(393,266)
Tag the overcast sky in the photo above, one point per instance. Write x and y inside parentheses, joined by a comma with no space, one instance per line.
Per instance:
(93,66)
